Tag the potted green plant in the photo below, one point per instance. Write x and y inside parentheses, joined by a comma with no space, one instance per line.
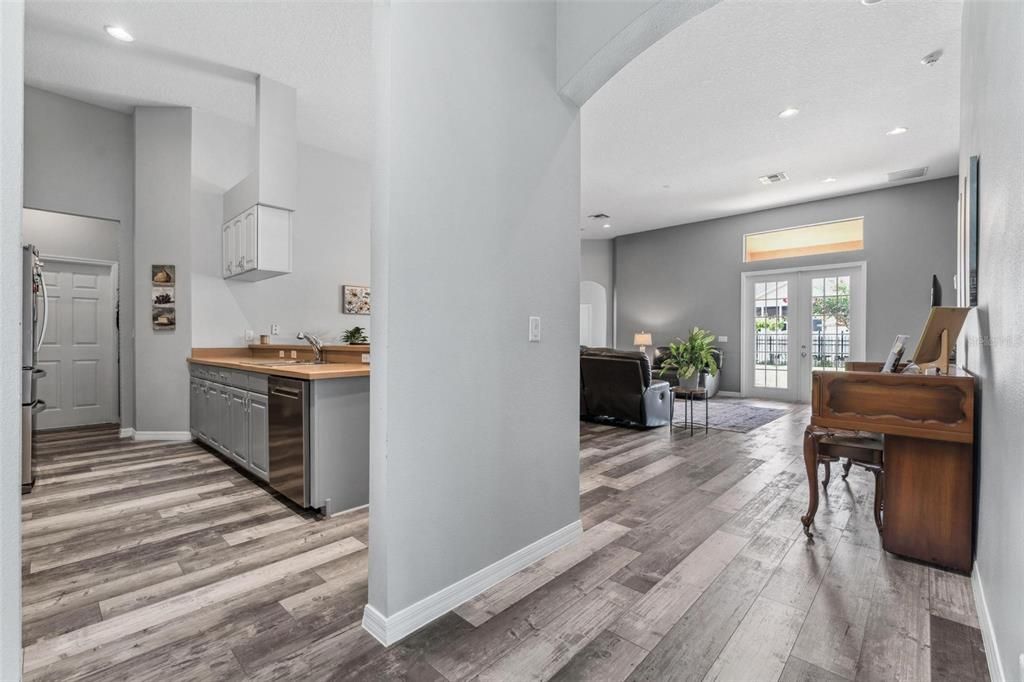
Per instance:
(692,359)
(354,335)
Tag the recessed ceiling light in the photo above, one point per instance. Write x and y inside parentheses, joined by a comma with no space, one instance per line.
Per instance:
(898,130)
(829,180)
(789,112)
(119,33)
(870,2)
(607,226)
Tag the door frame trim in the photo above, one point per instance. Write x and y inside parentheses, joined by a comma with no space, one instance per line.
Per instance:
(746,373)
(115,299)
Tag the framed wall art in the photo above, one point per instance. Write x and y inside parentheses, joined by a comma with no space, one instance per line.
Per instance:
(163,298)
(355,299)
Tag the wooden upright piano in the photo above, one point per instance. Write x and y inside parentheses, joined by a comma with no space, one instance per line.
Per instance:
(928,424)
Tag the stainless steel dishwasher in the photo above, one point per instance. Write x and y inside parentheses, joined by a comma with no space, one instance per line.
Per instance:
(289,438)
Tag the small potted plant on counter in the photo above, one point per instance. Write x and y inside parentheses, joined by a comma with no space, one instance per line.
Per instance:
(355,335)
(692,359)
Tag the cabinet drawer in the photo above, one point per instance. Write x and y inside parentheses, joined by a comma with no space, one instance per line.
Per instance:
(258,383)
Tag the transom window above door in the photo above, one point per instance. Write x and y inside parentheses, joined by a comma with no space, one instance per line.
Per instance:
(807,240)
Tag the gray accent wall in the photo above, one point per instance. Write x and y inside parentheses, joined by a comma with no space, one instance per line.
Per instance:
(670,280)
(80,159)
(163,187)
(992,127)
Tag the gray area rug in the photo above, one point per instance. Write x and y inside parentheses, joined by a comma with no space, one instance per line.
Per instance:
(731,415)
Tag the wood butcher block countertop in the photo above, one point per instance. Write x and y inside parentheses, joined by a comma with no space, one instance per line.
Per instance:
(342,361)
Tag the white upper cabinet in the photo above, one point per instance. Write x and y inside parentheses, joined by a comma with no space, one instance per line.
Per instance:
(257,244)
(257,235)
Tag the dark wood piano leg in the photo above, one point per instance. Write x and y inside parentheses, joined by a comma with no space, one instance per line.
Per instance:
(828,474)
(811,464)
(879,492)
(846,468)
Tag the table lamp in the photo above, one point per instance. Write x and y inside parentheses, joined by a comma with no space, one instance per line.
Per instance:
(642,339)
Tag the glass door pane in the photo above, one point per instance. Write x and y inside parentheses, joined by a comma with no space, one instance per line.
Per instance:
(771,334)
(830,322)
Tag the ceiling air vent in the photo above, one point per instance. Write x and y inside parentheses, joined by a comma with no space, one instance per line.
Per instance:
(909,174)
(599,216)
(773,178)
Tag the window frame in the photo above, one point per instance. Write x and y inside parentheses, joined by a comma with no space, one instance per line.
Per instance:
(743,241)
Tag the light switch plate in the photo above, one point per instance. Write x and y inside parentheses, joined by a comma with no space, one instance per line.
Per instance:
(534,330)
(249,335)
(295,354)
(723,339)
(280,353)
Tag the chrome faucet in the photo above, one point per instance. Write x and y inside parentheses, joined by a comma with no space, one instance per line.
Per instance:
(318,346)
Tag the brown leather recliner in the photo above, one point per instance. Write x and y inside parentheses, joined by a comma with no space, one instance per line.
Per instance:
(617,384)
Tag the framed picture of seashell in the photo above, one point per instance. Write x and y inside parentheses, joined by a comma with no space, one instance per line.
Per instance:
(355,300)
(163,298)
(163,275)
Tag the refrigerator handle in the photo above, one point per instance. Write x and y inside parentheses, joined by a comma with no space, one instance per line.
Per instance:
(46,312)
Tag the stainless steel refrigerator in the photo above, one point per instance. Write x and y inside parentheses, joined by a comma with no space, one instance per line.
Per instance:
(34,318)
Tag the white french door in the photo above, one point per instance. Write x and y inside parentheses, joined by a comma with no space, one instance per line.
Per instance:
(799,320)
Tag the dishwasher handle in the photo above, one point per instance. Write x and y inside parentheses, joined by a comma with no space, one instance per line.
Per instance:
(286,393)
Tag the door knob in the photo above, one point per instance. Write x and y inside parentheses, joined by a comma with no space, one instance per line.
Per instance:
(803,354)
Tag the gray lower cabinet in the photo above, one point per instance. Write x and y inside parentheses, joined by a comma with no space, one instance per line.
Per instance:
(231,420)
(259,446)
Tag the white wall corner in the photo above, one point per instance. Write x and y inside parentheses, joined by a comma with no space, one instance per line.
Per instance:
(162,435)
(389,630)
(988,634)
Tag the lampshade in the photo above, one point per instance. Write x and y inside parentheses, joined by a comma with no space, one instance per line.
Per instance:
(642,339)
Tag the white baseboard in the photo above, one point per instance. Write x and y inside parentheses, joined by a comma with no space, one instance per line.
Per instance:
(390,629)
(729,394)
(988,635)
(126,433)
(163,435)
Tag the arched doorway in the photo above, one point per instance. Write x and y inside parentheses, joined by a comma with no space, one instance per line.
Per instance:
(593,314)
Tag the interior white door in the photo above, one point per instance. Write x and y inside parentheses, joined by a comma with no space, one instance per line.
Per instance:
(78,351)
(798,321)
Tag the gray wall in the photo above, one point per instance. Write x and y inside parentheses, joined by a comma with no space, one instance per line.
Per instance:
(12,31)
(670,280)
(163,186)
(597,264)
(330,247)
(474,432)
(79,159)
(992,127)
(71,235)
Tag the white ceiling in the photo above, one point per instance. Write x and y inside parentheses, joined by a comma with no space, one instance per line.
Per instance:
(698,110)
(206,54)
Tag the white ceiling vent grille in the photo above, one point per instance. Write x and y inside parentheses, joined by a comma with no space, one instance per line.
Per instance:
(909,174)
(773,178)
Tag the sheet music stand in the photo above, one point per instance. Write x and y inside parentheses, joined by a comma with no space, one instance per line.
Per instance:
(940,331)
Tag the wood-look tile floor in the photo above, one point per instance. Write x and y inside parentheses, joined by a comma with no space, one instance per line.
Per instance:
(156,561)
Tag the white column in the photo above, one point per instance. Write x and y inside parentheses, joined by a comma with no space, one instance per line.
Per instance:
(12,33)
(474,444)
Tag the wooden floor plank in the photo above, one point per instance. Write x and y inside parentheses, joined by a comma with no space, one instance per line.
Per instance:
(162,561)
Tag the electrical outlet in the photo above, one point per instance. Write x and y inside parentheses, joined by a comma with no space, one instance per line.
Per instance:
(280,353)
(275,329)
(249,335)
(534,330)
(365,357)
(723,339)
(295,354)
